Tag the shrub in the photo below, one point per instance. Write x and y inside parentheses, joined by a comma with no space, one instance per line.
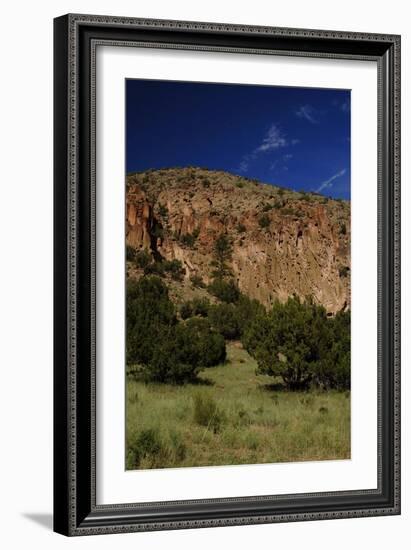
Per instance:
(282,342)
(306,196)
(343,229)
(222,251)
(241,228)
(207,413)
(163,211)
(239,184)
(197,281)
(343,271)
(183,351)
(147,445)
(200,306)
(225,319)
(334,370)
(189,239)
(267,207)
(298,342)
(197,339)
(142,258)
(226,291)
(264,221)
(157,231)
(149,450)
(170,364)
(178,447)
(175,268)
(149,315)
(247,310)
(154,268)
(231,320)
(186,310)
(130,253)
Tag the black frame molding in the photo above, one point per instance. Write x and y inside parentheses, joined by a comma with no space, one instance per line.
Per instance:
(76,38)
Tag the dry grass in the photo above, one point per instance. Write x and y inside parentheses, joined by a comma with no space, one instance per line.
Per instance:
(233,417)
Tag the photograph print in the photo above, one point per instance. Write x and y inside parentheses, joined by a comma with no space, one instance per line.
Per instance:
(237,254)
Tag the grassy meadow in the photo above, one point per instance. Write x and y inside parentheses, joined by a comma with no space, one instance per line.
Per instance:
(231,416)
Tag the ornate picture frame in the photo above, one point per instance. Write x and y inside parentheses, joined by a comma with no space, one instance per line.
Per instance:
(76,40)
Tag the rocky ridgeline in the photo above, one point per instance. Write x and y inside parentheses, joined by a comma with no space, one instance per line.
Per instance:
(284,242)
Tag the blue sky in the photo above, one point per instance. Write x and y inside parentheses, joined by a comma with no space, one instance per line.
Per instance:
(294,137)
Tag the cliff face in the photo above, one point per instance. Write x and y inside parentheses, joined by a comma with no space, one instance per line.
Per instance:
(283,242)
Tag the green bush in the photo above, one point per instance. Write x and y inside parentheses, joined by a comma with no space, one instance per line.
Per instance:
(143,259)
(149,315)
(226,291)
(200,306)
(299,343)
(247,310)
(175,268)
(199,342)
(333,371)
(182,350)
(148,449)
(225,320)
(147,445)
(154,268)
(231,320)
(197,306)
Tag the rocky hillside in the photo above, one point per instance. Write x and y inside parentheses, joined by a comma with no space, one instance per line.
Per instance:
(284,242)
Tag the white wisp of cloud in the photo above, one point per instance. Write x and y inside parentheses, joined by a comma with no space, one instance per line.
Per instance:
(329,183)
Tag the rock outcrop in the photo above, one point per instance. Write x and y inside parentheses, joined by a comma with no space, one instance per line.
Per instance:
(284,242)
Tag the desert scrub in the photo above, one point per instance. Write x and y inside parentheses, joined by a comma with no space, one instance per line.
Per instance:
(151,449)
(189,239)
(264,221)
(147,445)
(197,281)
(207,413)
(343,271)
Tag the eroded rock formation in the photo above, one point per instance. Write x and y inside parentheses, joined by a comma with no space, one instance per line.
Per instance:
(284,242)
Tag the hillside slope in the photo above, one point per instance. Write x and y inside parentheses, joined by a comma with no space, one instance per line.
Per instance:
(284,242)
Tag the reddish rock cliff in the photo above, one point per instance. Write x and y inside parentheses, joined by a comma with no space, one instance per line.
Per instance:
(283,242)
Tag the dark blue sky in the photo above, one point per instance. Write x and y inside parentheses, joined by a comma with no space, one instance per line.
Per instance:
(293,137)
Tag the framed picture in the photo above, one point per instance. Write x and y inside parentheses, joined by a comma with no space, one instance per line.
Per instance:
(227,278)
